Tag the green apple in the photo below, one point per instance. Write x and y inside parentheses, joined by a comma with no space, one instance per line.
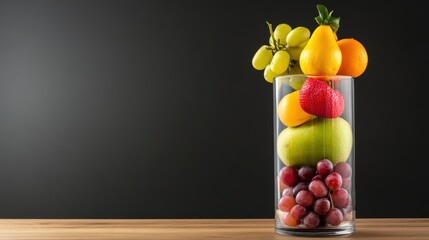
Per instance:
(320,138)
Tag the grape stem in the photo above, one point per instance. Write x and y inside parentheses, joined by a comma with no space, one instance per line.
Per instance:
(330,197)
(270,27)
(292,64)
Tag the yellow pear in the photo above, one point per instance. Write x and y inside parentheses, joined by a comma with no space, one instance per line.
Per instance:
(321,55)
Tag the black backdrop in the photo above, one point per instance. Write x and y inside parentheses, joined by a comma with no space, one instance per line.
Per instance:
(151,109)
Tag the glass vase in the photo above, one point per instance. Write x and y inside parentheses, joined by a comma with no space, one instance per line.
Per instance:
(314,155)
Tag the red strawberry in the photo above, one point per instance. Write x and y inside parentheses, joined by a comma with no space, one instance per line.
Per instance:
(317,98)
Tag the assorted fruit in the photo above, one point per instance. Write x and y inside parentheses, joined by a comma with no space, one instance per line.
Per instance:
(298,51)
(316,140)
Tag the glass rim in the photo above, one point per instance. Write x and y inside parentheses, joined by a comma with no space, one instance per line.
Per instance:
(322,77)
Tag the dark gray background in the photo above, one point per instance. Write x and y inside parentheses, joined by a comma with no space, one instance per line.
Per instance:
(151,109)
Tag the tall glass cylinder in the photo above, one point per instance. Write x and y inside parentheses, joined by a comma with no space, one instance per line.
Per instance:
(314,155)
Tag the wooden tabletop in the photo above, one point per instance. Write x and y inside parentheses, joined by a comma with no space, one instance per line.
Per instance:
(190,229)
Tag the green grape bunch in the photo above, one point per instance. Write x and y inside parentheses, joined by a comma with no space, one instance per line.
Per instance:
(281,56)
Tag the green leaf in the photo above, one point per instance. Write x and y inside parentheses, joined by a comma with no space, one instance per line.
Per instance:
(334,22)
(323,11)
(319,20)
(325,18)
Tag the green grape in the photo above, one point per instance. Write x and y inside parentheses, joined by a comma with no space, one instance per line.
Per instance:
(262,57)
(294,52)
(269,75)
(297,36)
(280,62)
(302,45)
(281,32)
(296,83)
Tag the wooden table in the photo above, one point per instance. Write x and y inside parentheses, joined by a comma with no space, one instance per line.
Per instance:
(231,229)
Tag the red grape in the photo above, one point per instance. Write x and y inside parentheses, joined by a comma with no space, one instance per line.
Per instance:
(349,200)
(318,188)
(298,187)
(286,203)
(334,216)
(311,220)
(344,169)
(306,173)
(288,192)
(289,175)
(333,181)
(340,198)
(290,221)
(321,206)
(324,167)
(346,183)
(298,212)
(280,184)
(318,177)
(304,198)
(345,210)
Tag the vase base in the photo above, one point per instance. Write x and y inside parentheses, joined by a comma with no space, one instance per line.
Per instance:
(316,232)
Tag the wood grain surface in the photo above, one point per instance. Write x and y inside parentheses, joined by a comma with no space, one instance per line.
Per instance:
(190,229)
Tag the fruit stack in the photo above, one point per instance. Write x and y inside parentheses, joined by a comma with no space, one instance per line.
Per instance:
(315,137)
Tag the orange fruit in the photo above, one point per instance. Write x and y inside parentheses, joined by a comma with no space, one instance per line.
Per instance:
(290,112)
(355,57)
